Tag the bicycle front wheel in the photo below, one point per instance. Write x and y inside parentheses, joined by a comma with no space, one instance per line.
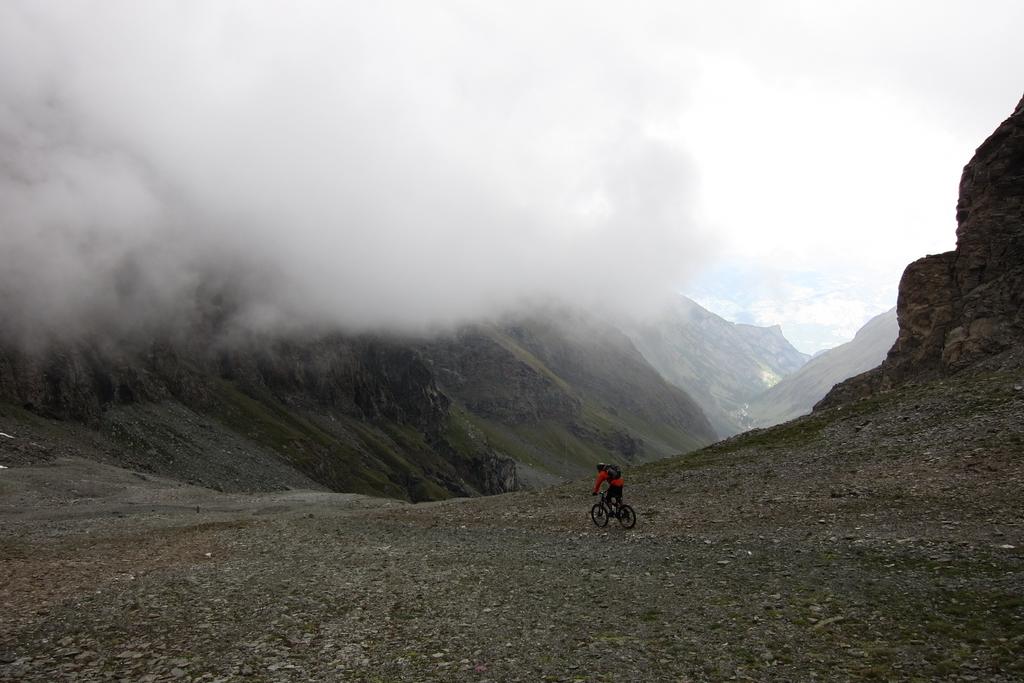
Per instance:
(627,517)
(599,514)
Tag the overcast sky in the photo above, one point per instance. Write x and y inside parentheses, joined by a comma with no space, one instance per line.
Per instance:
(408,164)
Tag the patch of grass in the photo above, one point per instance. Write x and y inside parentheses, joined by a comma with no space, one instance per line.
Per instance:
(312,450)
(795,434)
(650,615)
(660,438)
(535,444)
(265,421)
(548,446)
(752,446)
(406,458)
(458,432)
(883,563)
(19,414)
(14,415)
(527,357)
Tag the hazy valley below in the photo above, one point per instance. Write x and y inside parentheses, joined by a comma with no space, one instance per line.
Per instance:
(724,365)
(795,394)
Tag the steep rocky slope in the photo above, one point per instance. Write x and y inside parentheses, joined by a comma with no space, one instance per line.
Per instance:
(722,365)
(560,392)
(965,305)
(419,419)
(352,414)
(797,393)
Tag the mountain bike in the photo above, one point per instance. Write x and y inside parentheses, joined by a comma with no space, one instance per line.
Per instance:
(605,509)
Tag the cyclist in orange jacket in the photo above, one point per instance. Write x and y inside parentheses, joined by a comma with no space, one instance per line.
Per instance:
(613,475)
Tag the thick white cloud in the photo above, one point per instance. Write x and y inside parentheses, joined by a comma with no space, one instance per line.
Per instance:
(386,164)
(411,164)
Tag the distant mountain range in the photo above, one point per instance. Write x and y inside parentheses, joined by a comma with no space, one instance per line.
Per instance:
(722,365)
(488,409)
(797,393)
(485,409)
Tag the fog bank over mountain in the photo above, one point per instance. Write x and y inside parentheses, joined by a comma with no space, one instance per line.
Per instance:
(356,166)
(408,165)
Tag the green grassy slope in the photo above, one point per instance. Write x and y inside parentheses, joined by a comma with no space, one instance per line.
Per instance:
(558,396)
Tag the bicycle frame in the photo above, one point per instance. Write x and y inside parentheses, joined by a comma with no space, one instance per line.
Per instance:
(610,504)
(605,509)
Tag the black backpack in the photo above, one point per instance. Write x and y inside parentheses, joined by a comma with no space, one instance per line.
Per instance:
(613,472)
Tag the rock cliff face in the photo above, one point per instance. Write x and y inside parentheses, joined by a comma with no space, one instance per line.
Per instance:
(963,306)
(492,382)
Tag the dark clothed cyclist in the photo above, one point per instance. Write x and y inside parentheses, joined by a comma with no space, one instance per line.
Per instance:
(615,480)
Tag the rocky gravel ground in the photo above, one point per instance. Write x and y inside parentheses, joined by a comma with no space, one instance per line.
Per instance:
(880,541)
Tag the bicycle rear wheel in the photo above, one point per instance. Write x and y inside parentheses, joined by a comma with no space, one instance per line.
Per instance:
(599,514)
(627,517)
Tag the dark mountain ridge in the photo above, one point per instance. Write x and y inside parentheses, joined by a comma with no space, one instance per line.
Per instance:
(416,418)
(348,413)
